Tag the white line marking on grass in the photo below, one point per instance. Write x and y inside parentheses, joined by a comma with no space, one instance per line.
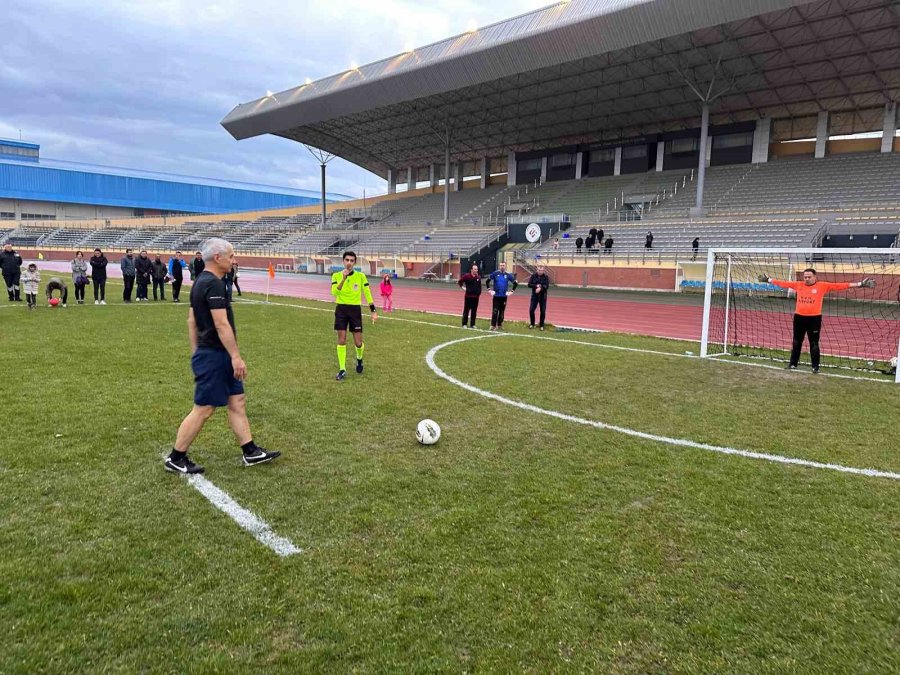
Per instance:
(246,519)
(636,350)
(678,442)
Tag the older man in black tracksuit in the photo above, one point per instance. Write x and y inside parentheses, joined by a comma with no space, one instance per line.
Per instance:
(11,267)
(538,283)
(471,282)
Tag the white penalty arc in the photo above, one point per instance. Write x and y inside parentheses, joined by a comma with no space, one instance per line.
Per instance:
(677,442)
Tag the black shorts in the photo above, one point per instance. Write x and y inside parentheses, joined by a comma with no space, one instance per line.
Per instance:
(348,317)
(214,380)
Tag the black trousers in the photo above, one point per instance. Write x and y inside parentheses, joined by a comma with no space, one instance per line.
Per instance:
(32,299)
(237,286)
(538,299)
(79,292)
(129,286)
(470,310)
(499,310)
(159,283)
(142,288)
(176,288)
(806,326)
(12,285)
(99,289)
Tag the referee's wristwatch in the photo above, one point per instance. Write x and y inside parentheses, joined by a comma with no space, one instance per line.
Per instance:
(372,308)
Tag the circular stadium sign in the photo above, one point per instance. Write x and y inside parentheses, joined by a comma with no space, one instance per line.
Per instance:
(533,233)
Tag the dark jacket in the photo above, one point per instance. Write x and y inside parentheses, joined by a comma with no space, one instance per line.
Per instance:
(472,284)
(127,265)
(160,269)
(98,267)
(176,269)
(143,268)
(195,267)
(536,280)
(609,242)
(579,242)
(600,236)
(10,262)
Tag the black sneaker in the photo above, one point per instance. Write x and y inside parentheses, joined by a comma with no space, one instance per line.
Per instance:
(815,371)
(341,375)
(258,456)
(359,366)
(183,465)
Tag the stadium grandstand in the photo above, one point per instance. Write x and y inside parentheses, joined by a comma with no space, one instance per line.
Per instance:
(740,122)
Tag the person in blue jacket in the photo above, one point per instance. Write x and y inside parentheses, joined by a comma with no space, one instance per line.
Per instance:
(503,284)
(176,272)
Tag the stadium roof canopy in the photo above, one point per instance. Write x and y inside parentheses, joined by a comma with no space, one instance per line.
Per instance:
(597,71)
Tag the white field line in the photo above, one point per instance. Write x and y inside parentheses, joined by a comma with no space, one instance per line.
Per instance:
(246,519)
(678,442)
(636,350)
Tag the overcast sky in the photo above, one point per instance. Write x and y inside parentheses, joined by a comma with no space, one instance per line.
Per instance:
(144,83)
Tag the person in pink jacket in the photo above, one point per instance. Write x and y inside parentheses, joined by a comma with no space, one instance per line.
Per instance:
(387,290)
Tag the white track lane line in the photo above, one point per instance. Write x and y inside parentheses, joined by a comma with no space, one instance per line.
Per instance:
(246,519)
(636,350)
(678,442)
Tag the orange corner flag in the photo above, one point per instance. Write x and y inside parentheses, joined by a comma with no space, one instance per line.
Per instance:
(271,271)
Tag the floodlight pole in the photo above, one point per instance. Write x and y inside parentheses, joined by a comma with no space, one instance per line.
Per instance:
(704,140)
(323,157)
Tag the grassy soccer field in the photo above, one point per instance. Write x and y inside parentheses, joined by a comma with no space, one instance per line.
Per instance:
(520,542)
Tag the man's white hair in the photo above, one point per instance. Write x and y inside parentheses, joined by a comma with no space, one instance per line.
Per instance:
(210,248)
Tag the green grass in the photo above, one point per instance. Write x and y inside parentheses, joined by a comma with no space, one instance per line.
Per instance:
(518,543)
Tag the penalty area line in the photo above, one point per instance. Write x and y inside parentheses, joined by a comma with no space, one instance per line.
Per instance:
(678,442)
(245,518)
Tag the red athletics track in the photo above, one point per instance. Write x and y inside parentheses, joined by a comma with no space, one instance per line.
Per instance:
(639,318)
(839,336)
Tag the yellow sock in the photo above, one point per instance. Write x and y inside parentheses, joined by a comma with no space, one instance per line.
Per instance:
(342,356)
(359,352)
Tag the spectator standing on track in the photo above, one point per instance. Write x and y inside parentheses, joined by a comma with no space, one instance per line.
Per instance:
(219,370)
(579,242)
(196,265)
(538,283)
(501,280)
(176,272)
(31,279)
(128,274)
(387,291)
(79,276)
(98,274)
(695,246)
(11,266)
(143,268)
(471,284)
(607,246)
(235,274)
(159,273)
(808,310)
(648,242)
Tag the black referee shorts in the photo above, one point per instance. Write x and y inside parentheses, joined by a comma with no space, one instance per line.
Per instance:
(348,317)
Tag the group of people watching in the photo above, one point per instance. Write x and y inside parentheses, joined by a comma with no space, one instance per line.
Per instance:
(501,285)
(141,271)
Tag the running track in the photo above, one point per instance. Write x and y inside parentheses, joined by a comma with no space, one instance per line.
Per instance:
(842,335)
(639,318)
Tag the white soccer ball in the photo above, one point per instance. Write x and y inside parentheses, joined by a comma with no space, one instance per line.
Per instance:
(428,432)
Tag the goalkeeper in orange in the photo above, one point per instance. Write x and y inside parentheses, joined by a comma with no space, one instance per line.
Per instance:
(808,313)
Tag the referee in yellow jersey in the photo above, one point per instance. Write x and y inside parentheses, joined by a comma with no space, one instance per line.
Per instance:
(348,286)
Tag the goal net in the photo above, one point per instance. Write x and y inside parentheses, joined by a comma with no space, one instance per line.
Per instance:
(746,316)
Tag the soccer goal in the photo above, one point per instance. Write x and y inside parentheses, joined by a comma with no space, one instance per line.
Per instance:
(744,315)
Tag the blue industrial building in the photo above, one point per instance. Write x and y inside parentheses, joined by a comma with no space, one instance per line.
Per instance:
(32,188)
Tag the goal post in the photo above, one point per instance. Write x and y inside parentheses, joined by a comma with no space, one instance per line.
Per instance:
(746,316)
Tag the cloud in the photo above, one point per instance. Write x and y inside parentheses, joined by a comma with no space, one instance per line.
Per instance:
(145,84)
